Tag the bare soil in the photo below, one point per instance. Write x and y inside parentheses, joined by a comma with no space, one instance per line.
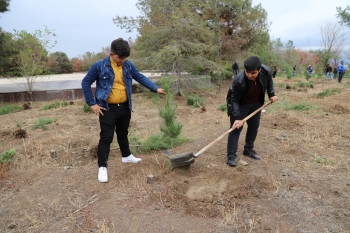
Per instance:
(302,183)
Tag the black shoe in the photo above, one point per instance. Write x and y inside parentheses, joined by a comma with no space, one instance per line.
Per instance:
(231,162)
(251,153)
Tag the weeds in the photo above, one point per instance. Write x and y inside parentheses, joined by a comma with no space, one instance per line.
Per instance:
(86,108)
(223,107)
(327,92)
(42,122)
(301,107)
(55,104)
(6,156)
(194,101)
(6,109)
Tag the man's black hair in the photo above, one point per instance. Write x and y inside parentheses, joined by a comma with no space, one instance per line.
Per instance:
(252,63)
(121,48)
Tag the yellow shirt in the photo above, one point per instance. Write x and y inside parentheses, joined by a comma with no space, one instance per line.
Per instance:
(118,94)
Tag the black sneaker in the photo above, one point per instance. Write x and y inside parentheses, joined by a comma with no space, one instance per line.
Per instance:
(231,162)
(251,153)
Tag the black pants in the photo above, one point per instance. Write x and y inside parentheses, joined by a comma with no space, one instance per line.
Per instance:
(252,130)
(116,119)
(340,77)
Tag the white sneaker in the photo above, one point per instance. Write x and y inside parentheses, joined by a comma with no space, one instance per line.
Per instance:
(102,175)
(130,159)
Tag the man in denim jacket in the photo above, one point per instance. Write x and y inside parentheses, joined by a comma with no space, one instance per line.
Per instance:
(112,101)
(247,94)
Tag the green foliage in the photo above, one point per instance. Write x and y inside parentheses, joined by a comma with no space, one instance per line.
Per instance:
(194,101)
(223,107)
(6,109)
(304,84)
(29,52)
(289,72)
(301,107)
(86,108)
(55,104)
(42,122)
(6,156)
(327,92)
(171,130)
(344,15)
(281,85)
(59,63)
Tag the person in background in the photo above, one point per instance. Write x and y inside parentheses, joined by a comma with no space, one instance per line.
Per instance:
(335,72)
(245,95)
(112,101)
(294,70)
(309,71)
(341,71)
(235,68)
(326,70)
(274,71)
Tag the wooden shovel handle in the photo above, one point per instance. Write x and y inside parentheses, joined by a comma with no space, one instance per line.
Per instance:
(231,129)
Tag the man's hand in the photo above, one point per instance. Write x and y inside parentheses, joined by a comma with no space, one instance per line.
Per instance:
(97,109)
(161,91)
(237,124)
(273,99)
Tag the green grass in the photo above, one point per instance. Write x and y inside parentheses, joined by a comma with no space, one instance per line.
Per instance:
(86,108)
(194,101)
(304,84)
(6,156)
(6,109)
(283,105)
(42,122)
(327,92)
(55,104)
(223,107)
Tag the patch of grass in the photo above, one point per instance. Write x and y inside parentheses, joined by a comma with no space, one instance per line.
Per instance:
(195,101)
(327,92)
(281,85)
(319,159)
(223,107)
(304,84)
(86,108)
(301,107)
(6,109)
(6,156)
(42,122)
(55,104)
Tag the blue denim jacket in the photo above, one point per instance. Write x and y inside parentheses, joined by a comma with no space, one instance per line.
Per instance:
(102,72)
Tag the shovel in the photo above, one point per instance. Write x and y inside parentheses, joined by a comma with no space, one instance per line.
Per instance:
(187,158)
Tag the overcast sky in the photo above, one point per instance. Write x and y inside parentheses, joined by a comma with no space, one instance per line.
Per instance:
(87,26)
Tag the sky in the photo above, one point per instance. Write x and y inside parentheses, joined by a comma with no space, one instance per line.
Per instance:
(87,26)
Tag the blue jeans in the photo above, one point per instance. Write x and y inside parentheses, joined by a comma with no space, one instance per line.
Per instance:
(252,131)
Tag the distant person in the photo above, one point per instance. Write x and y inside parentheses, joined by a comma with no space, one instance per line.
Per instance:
(335,72)
(274,71)
(294,70)
(247,94)
(328,71)
(112,101)
(309,71)
(235,68)
(341,71)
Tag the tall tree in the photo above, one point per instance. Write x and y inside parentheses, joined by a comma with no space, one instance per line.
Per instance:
(59,63)
(173,37)
(5,62)
(29,52)
(4,4)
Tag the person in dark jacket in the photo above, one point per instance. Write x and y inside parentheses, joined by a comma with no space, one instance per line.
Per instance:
(112,101)
(246,94)
(235,68)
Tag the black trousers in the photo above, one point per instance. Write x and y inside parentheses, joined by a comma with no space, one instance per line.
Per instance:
(117,120)
(340,77)
(252,130)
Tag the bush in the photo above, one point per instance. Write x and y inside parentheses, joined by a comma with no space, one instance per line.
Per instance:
(87,108)
(55,104)
(42,122)
(223,107)
(6,109)
(194,101)
(6,156)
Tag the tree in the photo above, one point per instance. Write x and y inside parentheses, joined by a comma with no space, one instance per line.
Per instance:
(344,15)
(173,38)
(333,41)
(5,62)
(29,52)
(4,4)
(59,63)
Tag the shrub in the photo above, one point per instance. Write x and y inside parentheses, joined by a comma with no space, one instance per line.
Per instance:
(223,107)
(87,108)
(6,109)
(42,122)
(327,92)
(195,101)
(6,156)
(55,104)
